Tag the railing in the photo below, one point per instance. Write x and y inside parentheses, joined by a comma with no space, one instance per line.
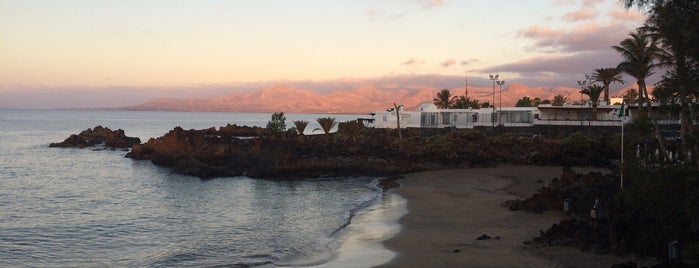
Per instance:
(576,123)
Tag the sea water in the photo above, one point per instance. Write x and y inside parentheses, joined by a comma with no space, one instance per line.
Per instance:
(85,208)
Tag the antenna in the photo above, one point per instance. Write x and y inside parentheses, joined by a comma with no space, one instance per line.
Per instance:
(466,87)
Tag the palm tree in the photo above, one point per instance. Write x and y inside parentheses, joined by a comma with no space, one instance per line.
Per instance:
(639,52)
(607,76)
(525,102)
(669,23)
(444,99)
(593,91)
(352,129)
(559,100)
(300,126)
(631,95)
(326,123)
(463,102)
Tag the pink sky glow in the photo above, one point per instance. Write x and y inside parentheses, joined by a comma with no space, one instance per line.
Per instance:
(79,54)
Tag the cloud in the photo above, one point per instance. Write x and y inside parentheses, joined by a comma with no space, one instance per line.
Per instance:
(448,62)
(585,37)
(592,2)
(412,61)
(576,63)
(469,61)
(431,3)
(583,14)
(629,15)
(559,3)
(374,14)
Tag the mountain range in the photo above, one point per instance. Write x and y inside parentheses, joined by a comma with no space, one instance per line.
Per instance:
(360,100)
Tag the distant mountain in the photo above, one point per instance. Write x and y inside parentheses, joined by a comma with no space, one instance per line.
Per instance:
(360,100)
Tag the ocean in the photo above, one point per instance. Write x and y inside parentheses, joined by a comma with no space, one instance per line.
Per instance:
(92,208)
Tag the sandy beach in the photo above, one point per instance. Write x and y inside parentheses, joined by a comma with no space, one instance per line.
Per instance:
(449,209)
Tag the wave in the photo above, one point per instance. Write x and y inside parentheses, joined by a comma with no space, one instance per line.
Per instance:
(326,248)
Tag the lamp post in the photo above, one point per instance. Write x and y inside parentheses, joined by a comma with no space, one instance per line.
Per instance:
(500,83)
(622,115)
(582,86)
(493,78)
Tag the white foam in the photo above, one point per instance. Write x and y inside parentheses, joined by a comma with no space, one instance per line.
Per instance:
(361,242)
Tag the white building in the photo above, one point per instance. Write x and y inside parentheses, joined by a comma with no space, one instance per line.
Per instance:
(428,115)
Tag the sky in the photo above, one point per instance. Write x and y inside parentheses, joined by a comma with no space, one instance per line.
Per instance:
(71,53)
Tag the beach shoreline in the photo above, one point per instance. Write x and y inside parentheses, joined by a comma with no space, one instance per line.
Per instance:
(449,209)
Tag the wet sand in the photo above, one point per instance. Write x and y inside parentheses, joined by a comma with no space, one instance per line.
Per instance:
(449,209)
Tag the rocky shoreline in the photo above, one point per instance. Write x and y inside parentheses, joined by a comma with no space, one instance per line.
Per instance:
(256,152)
(642,219)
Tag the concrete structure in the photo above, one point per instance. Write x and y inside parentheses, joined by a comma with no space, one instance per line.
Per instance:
(428,115)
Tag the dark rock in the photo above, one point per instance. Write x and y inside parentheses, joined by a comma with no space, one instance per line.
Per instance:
(254,152)
(99,136)
(484,237)
(629,264)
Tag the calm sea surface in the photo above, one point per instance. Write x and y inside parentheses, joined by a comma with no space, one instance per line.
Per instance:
(79,207)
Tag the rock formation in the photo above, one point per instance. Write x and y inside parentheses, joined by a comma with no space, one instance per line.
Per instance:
(99,136)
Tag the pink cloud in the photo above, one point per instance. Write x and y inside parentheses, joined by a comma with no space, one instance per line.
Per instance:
(540,32)
(374,14)
(448,62)
(469,61)
(412,61)
(585,37)
(583,14)
(431,3)
(629,15)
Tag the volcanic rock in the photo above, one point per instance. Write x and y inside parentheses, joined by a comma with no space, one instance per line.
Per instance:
(99,136)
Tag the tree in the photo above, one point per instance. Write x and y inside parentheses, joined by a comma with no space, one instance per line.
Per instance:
(607,76)
(326,124)
(673,23)
(444,99)
(463,102)
(670,23)
(352,129)
(593,91)
(300,126)
(639,52)
(525,102)
(559,100)
(485,104)
(397,108)
(631,95)
(278,123)
(536,102)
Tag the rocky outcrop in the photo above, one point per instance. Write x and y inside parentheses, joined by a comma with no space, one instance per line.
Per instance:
(234,151)
(655,210)
(99,136)
(219,153)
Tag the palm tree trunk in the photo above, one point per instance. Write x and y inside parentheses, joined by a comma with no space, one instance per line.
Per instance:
(606,93)
(656,128)
(684,122)
(400,135)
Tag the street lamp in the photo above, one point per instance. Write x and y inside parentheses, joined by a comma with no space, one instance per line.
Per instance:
(621,115)
(582,86)
(494,78)
(500,83)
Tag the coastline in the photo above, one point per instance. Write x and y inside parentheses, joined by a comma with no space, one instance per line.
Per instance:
(449,209)
(360,244)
